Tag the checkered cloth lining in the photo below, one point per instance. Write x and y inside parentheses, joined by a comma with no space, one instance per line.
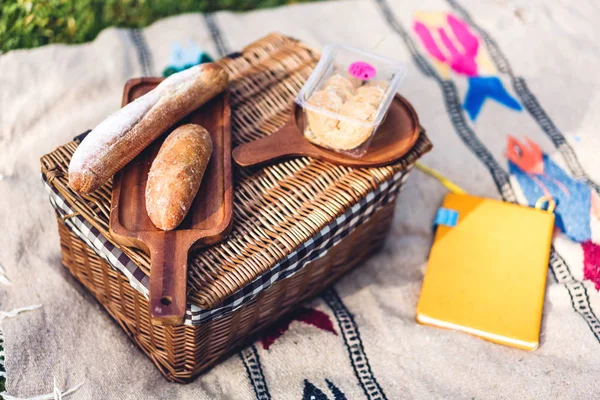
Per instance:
(313,249)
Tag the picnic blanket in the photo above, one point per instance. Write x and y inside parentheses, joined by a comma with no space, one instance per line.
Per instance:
(508,93)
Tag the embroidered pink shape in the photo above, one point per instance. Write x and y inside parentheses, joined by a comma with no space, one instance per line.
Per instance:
(462,60)
(591,262)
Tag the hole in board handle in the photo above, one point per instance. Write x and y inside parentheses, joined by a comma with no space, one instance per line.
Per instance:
(165,301)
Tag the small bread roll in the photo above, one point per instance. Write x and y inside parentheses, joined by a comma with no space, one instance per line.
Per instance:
(327,101)
(383,85)
(370,94)
(345,97)
(343,81)
(176,174)
(353,133)
(342,91)
(346,134)
(358,110)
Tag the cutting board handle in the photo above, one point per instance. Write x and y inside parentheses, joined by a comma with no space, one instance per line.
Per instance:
(168,266)
(285,142)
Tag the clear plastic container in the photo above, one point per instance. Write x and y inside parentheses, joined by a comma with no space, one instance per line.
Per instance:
(347,97)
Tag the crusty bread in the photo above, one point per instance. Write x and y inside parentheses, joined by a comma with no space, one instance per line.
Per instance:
(176,174)
(124,134)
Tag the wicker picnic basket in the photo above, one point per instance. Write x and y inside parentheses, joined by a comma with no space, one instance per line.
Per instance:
(299,225)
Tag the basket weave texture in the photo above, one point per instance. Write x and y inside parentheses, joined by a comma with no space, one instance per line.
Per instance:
(183,352)
(276,209)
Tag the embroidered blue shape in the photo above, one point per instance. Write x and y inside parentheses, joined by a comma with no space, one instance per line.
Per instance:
(572,197)
(311,392)
(482,88)
(337,393)
(446,217)
(182,58)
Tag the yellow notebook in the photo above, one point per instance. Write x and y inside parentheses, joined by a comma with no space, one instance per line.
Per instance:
(486,275)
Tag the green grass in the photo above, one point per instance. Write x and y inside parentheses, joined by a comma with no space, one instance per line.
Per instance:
(32,23)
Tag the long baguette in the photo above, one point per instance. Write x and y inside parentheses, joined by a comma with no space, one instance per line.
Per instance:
(123,135)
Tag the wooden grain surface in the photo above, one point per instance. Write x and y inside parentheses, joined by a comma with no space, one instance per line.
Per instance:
(208,221)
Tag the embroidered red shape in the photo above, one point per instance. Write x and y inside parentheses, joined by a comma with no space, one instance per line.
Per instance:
(309,316)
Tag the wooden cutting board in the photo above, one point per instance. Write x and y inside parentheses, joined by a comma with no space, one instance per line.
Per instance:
(394,138)
(208,221)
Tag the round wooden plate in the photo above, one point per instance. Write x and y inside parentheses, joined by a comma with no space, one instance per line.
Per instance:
(393,139)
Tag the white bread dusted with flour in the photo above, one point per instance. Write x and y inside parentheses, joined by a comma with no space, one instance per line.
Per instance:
(123,135)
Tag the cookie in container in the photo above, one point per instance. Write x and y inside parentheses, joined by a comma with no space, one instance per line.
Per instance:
(347,98)
(299,225)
